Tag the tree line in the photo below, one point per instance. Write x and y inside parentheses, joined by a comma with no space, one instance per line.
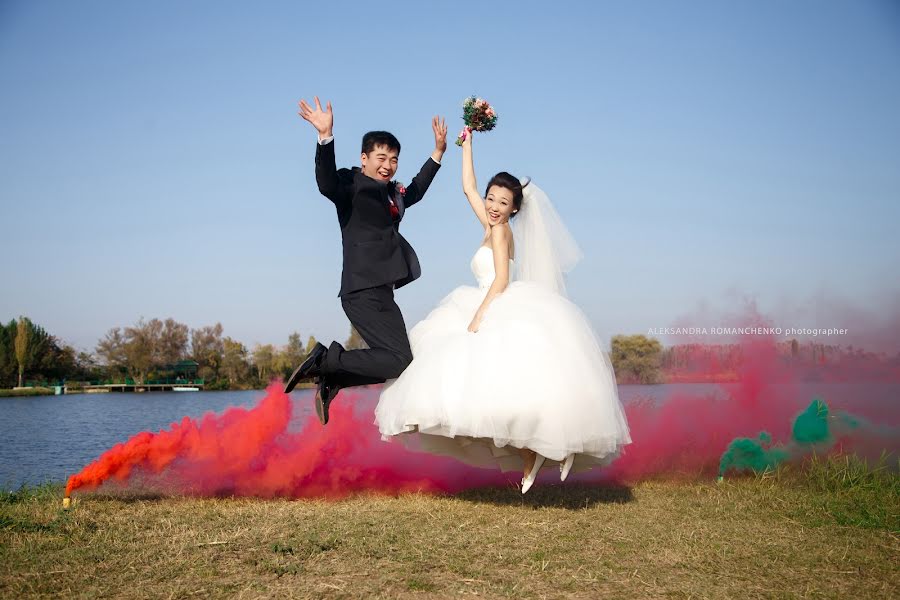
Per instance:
(148,350)
(27,351)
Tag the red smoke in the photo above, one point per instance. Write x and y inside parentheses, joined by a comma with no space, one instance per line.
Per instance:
(687,433)
(255,452)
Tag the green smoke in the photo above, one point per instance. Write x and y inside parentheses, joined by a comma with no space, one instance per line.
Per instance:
(753,454)
(811,427)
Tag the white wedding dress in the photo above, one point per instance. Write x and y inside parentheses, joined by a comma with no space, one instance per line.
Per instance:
(532,376)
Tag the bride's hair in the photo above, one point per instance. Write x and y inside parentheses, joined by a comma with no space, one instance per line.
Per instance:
(505,180)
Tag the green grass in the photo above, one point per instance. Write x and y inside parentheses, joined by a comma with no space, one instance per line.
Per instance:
(854,493)
(826,529)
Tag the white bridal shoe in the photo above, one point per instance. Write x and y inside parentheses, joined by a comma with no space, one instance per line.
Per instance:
(528,481)
(565,467)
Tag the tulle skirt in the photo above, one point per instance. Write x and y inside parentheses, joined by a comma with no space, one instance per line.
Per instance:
(533,376)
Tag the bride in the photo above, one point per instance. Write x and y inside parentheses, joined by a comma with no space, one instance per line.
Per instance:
(509,374)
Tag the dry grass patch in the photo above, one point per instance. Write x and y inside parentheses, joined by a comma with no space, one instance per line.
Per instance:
(786,534)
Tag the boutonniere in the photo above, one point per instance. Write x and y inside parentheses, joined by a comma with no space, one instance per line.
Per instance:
(398,188)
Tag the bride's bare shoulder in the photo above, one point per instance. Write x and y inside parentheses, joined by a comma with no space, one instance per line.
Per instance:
(508,236)
(506,229)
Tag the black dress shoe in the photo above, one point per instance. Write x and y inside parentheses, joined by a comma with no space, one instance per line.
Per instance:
(325,393)
(308,369)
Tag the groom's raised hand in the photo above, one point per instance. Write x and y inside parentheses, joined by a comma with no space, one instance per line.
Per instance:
(322,120)
(439,126)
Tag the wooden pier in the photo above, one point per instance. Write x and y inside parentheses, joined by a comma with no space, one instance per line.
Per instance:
(135,387)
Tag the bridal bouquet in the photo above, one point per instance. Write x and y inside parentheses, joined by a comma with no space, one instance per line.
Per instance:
(478,115)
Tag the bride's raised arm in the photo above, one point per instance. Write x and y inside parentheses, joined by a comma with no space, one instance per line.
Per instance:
(470,185)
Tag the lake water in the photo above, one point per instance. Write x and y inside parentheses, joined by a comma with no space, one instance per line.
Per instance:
(48,438)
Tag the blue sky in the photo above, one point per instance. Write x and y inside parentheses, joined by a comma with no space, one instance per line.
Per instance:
(152,162)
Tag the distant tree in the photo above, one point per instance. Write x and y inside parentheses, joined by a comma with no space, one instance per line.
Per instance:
(23,340)
(111,351)
(8,366)
(208,350)
(57,362)
(43,351)
(294,351)
(149,345)
(45,357)
(355,341)
(290,356)
(86,366)
(173,342)
(264,361)
(142,345)
(234,361)
(636,358)
(310,344)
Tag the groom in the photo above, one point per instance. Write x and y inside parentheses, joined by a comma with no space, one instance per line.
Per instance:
(377,259)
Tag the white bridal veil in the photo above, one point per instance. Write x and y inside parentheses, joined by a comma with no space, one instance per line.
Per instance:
(545,250)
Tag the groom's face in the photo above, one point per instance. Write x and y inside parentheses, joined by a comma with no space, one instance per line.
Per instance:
(380,163)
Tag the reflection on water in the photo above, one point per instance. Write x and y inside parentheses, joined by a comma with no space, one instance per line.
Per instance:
(51,437)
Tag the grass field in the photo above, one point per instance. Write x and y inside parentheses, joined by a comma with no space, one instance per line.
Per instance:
(826,530)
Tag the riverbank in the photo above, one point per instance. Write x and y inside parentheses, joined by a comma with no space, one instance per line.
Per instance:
(69,391)
(31,391)
(830,530)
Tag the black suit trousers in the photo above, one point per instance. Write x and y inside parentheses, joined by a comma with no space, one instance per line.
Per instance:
(377,318)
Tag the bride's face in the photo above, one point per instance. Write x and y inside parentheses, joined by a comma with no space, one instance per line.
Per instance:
(498,204)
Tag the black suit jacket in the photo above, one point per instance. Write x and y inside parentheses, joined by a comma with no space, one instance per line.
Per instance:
(374,251)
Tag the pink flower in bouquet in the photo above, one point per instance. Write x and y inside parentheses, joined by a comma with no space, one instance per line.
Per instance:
(478,115)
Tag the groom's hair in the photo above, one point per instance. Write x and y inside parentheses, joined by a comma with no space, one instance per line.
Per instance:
(510,182)
(379,138)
